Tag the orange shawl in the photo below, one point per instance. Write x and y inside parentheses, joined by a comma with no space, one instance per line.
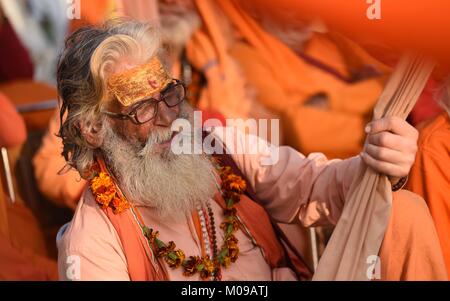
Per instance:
(256,223)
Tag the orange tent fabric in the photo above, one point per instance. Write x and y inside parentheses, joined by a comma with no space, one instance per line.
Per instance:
(430,176)
(410,249)
(398,19)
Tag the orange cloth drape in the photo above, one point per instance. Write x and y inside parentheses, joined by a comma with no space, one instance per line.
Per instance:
(410,249)
(207,51)
(403,24)
(430,176)
(235,52)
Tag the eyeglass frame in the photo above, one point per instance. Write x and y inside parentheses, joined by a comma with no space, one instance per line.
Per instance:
(132,115)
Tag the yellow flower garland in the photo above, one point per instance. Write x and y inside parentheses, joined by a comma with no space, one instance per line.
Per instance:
(105,192)
(233,186)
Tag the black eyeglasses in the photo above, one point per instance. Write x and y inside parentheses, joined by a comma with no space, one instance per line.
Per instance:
(147,109)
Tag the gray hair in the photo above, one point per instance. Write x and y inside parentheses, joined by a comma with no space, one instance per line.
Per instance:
(87,60)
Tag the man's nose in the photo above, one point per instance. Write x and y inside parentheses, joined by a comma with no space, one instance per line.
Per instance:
(166,115)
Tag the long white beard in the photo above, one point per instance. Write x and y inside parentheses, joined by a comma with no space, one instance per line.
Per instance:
(172,184)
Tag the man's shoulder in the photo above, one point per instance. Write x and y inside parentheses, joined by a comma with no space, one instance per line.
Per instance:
(91,245)
(89,226)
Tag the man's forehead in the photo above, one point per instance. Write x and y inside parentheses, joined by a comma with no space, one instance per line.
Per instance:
(116,106)
(137,83)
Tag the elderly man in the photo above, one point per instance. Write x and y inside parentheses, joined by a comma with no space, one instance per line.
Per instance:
(152,214)
(231,78)
(177,24)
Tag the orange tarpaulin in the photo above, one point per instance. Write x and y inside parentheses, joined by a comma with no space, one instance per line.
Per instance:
(426,19)
(430,176)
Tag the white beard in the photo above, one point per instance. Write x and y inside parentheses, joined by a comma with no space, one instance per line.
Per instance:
(172,184)
(177,29)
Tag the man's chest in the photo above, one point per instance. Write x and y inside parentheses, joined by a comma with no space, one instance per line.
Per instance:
(250,264)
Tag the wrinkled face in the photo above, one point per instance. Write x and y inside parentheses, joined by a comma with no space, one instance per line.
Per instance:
(137,147)
(137,133)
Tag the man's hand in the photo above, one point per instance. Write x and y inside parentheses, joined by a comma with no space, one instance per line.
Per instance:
(390,146)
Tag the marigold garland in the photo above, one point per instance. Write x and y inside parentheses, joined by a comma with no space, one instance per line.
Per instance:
(233,186)
(105,192)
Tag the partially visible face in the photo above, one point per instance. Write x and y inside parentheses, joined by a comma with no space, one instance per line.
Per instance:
(148,171)
(175,7)
(179,19)
(151,174)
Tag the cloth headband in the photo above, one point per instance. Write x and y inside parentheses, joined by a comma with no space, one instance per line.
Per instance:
(138,83)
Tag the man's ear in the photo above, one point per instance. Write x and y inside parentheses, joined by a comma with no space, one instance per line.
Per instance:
(91,131)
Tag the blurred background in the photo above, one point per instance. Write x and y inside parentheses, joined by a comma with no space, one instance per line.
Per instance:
(286,60)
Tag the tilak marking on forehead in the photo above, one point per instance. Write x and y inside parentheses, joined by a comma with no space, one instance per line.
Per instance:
(140,82)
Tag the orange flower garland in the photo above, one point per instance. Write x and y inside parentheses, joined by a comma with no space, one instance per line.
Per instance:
(233,187)
(104,190)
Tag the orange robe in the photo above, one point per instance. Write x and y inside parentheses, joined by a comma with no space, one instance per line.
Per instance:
(19,265)
(430,176)
(410,249)
(252,74)
(23,255)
